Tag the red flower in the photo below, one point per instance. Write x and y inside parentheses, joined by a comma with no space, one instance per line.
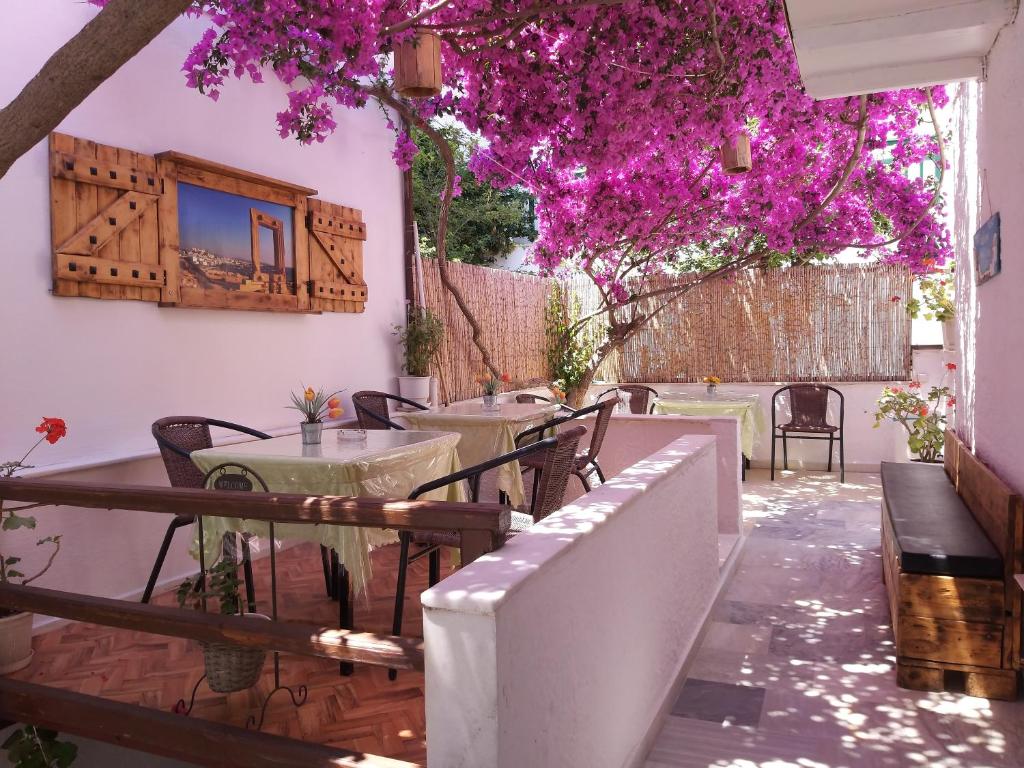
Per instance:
(506,378)
(923,410)
(950,402)
(914,385)
(896,298)
(54,429)
(896,390)
(950,366)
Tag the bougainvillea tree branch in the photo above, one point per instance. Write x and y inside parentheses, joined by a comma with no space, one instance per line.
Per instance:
(116,34)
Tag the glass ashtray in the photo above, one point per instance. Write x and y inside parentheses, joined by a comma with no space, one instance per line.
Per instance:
(351,435)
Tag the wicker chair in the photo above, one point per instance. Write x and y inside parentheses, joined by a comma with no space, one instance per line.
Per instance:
(373,412)
(177,437)
(641,397)
(586,463)
(557,456)
(808,405)
(526,399)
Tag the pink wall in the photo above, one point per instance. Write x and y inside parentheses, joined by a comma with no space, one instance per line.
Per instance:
(111,367)
(988,164)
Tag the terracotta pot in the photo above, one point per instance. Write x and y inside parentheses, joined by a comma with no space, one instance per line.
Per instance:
(736,155)
(15,642)
(418,66)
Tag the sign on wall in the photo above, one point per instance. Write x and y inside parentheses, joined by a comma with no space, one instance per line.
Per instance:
(188,232)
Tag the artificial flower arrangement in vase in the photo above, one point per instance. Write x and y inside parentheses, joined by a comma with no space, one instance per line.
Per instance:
(491,387)
(919,415)
(558,396)
(315,406)
(16,626)
(712,383)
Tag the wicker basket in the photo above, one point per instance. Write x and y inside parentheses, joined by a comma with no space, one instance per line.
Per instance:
(231,668)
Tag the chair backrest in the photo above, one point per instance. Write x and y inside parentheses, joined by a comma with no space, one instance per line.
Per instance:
(528,399)
(640,397)
(559,462)
(604,409)
(808,404)
(373,412)
(178,436)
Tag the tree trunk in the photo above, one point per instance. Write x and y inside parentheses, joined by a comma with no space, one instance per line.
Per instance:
(115,35)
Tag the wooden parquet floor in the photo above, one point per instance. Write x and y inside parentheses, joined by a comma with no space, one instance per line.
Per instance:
(364,712)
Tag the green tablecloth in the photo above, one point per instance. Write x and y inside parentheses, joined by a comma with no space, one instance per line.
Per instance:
(486,434)
(389,464)
(747,410)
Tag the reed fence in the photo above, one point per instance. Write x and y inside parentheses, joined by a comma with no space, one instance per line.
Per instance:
(812,323)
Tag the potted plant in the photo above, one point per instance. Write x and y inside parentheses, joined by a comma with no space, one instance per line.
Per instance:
(420,339)
(919,415)
(491,387)
(936,303)
(16,626)
(315,405)
(712,382)
(229,668)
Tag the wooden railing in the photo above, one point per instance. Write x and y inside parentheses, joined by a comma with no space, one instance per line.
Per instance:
(482,528)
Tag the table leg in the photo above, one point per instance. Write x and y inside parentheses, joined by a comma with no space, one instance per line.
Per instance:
(343,589)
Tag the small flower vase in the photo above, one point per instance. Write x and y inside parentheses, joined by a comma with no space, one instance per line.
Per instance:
(311,432)
(711,390)
(490,402)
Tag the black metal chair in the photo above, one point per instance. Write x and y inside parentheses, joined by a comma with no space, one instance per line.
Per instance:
(528,399)
(557,455)
(641,397)
(177,437)
(808,406)
(373,412)
(586,463)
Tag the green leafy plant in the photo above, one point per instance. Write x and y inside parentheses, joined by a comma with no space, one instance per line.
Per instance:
(571,347)
(32,747)
(421,339)
(221,583)
(921,416)
(315,405)
(936,302)
(52,430)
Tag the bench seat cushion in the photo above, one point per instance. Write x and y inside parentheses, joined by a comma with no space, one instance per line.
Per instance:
(934,529)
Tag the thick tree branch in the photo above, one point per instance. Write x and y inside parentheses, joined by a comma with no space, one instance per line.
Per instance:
(115,35)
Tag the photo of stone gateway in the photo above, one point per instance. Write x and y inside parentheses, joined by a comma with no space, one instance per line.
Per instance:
(234,242)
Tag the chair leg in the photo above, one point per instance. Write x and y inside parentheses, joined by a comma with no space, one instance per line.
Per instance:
(536,490)
(597,468)
(325,561)
(842,460)
(165,545)
(335,566)
(583,479)
(774,439)
(250,585)
(345,618)
(785,452)
(403,566)
(434,565)
(831,439)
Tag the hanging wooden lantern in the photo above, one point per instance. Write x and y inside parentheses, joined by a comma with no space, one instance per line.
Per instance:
(736,155)
(418,66)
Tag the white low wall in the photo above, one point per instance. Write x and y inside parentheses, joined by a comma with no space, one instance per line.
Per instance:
(564,647)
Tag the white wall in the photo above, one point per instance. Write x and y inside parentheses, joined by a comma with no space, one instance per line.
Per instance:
(988,163)
(563,647)
(109,368)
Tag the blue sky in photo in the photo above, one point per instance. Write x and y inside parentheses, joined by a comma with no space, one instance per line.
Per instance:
(219,222)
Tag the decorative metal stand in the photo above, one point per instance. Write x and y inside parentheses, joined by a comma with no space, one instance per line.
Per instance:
(241,482)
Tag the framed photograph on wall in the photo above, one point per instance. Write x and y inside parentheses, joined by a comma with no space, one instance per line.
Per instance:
(987,247)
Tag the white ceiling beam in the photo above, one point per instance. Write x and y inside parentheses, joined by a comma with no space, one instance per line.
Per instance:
(918,74)
(895,25)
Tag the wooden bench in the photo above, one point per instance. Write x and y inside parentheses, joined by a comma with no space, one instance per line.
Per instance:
(952,538)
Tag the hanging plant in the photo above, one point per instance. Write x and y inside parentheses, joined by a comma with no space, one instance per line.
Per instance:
(418,66)
(736,157)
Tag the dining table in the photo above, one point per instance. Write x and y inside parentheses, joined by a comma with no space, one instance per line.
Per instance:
(380,463)
(744,406)
(487,433)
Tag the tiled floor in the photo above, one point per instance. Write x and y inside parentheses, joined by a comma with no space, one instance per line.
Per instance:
(796,666)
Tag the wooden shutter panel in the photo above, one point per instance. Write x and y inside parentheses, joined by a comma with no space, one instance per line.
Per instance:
(104,225)
(336,281)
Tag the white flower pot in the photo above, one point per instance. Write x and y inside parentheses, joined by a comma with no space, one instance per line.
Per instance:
(15,642)
(415,388)
(949,335)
